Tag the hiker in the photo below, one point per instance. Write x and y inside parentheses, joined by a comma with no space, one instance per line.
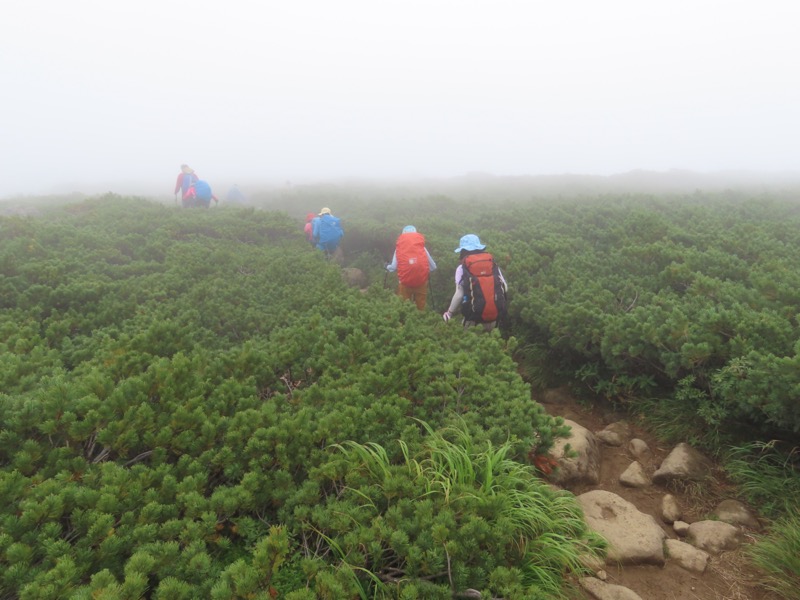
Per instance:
(326,231)
(480,286)
(413,264)
(185,179)
(235,195)
(199,194)
(308,229)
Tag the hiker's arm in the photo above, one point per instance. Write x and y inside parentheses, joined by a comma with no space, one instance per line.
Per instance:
(459,294)
(392,266)
(431,262)
(455,302)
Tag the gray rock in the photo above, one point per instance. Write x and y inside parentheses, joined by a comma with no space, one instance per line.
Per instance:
(633,536)
(354,277)
(681,528)
(640,450)
(607,591)
(684,463)
(714,537)
(584,467)
(687,556)
(614,434)
(735,513)
(634,476)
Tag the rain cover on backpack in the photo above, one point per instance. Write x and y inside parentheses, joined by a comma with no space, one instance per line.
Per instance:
(484,294)
(412,260)
(330,232)
(202,190)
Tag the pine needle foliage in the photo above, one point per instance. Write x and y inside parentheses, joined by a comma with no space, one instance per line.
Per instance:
(172,383)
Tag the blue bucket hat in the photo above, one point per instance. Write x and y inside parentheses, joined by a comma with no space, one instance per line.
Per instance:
(409,229)
(470,242)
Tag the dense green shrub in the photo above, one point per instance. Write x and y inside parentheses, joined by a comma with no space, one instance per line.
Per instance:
(175,383)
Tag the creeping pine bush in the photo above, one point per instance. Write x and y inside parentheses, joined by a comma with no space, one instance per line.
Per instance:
(175,388)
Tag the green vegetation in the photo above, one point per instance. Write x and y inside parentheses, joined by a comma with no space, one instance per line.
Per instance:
(176,385)
(194,404)
(779,556)
(767,477)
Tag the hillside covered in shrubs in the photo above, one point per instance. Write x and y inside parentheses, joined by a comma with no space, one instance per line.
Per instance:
(195,404)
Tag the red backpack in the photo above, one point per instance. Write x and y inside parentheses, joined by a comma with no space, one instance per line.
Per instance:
(412,260)
(485,297)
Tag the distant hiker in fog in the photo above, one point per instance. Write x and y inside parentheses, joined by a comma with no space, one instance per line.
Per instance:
(235,195)
(326,231)
(185,179)
(413,264)
(308,229)
(480,286)
(199,195)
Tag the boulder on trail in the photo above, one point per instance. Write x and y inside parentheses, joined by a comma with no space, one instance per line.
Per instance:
(687,556)
(634,537)
(614,434)
(607,591)
(714,537)
(735,513)
(635,476)
(354,277)
(640,450)
(684,463)
(578,457)
(681,528)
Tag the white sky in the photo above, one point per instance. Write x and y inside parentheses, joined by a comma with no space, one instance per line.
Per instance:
(98,91)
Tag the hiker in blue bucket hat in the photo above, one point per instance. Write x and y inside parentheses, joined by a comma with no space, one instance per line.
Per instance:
(480,286)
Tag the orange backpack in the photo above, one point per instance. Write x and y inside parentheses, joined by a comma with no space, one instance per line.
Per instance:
(485,298)
(412,260)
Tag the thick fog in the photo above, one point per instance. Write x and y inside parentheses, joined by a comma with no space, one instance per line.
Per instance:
(115,95)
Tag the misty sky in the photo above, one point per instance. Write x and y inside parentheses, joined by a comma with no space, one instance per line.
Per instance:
(121,92)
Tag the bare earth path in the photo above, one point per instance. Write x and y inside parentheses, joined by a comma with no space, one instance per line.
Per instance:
(729,576)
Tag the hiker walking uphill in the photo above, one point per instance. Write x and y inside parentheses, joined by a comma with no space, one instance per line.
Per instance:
(326,232)
(413,264)
(199,195)
(184,181)
(480,286)
(235,195)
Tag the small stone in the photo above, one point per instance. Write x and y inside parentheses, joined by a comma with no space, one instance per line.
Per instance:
(670,509)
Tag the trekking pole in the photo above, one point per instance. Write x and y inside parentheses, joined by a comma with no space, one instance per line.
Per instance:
(385,273)
(430,293)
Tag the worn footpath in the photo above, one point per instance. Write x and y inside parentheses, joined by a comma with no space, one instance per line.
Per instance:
(675,527)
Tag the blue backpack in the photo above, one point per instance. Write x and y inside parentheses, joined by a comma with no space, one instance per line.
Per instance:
(330,232)
(202,190)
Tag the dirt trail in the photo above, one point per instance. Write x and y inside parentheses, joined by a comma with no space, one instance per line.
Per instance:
(729,576)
